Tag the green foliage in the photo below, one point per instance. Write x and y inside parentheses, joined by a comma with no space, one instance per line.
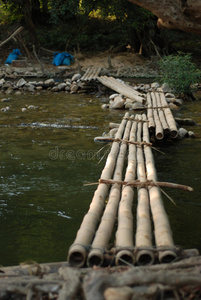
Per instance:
(179,72)
(62,10)
(10,12)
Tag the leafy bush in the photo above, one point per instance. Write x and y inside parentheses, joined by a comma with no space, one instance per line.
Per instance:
(179,72)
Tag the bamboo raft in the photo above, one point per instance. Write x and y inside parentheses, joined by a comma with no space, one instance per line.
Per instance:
(91,74)
(161,120)
(121,88)
(159,115)
(113,200)
(139,268)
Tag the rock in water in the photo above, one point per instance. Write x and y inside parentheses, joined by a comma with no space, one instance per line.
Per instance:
(21,82)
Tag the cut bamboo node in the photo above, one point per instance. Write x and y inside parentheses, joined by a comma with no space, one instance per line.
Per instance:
(144,257)
(167,256)
(95,257)
(125,257)
(77,255)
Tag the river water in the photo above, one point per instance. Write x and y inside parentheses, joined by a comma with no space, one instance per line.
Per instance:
(43,170)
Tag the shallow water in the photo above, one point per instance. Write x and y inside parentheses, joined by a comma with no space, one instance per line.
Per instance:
(43,169)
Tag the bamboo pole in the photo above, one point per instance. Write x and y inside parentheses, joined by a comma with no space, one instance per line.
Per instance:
(94,75)
(124,234)
(162,115)
(125,86)
(150,114)
(113,125)
(159,129)
(97,73)
(163,233)
(120,88)
(143,237)
(169,117)
(78,250)
(86,74)
(104,232)
(12,36)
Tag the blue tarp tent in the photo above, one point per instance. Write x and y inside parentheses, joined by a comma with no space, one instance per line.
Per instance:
(13,56)
(63,58)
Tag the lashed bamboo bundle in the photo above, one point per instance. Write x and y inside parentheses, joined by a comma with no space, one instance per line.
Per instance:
(104,232)
(121,88)
(169,117)
(125,86)
(143,237)
(150,113)
(163,233)
(159,129)
(91,74)
(78,250)
(124,234)
(162,114)
(86,74)
(94,75)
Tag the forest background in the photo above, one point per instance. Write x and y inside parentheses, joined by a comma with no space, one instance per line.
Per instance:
(89,26)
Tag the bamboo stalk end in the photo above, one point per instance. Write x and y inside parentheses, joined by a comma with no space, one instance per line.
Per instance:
(77,256)
(145,257)
(124,257)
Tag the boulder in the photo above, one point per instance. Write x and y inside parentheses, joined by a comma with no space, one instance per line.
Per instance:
(182,133)
(50,82)
(21,82)
(169,95)
(113,96)
(155,85)
(76,77)
(191,134)
(128,105)
(74,88)
(165,87)
(137,105)
(118,103)
(105,106)
(61,86)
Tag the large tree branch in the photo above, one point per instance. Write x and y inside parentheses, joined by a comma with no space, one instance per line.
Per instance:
(184,15)
(11,36)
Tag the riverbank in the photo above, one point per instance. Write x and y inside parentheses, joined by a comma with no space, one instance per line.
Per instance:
(125,64)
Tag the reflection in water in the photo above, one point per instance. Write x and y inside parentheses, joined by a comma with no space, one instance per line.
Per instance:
(43,169)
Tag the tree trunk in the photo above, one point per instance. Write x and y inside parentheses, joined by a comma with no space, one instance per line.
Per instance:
(35,11)
(26,9)
(175,14)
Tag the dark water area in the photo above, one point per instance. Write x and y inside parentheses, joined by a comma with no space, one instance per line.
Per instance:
(43,170)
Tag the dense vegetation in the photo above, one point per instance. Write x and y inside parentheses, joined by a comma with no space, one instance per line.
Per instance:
(87,25)
(180,73)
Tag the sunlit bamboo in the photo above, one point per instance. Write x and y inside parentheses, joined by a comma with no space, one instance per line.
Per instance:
(78,250)
(143,237)
(163,233)
(124,234)
(104,232)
